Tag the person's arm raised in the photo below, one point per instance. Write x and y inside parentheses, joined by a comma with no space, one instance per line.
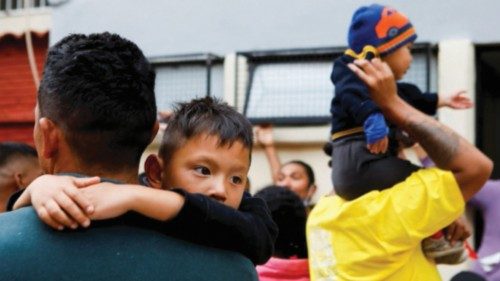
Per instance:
(264,135)
(446,148)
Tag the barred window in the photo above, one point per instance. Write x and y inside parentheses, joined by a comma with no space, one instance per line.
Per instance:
(8,6)
(182,78)
(293,87)
(423,69)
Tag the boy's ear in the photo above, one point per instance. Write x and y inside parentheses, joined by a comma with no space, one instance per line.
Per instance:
(153,169)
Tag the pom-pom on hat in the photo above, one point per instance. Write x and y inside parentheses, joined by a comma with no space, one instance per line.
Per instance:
(384,28)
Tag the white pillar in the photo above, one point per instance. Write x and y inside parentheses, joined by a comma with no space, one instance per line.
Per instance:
(456,70)
(235,80)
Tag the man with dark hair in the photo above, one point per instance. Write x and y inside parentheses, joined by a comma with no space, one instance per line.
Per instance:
(18,167)
(205,157)
(95,115)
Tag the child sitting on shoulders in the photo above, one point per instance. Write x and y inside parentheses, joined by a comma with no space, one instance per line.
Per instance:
(364,154)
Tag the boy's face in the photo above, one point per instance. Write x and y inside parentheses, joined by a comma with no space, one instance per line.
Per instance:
(400,60)
(202,166)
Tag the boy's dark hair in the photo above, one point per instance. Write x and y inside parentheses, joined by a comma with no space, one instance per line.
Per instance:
(289,213)
(309,171)
(205,115)
(100,90)
(8,150)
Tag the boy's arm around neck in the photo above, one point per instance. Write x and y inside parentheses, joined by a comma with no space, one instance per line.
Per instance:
(197,218)
(446,148)
(249,230)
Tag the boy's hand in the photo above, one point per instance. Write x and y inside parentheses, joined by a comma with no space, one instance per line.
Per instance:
(456,100)
(59,203)
(264,135)
(109,200)
(379,146)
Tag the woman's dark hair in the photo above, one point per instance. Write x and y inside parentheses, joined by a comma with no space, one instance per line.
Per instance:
(309,171)
(289,213)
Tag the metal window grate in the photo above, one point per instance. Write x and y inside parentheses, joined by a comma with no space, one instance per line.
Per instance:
(423,70)
(9,6)
(293,87)
(182,78)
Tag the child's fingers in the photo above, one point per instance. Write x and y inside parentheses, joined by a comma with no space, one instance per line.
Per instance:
(44,216)
(384,144)
(57,214)
(371,148)
(374,148)
(68,205)
(379,146)
(84,182)
(79,198)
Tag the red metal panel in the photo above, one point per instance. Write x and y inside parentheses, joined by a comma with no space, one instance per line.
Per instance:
(17,89)
(17,132)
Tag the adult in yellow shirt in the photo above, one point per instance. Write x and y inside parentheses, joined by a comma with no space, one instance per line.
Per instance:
(377,236)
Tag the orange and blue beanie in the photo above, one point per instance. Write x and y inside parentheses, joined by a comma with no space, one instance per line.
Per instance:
(381,28)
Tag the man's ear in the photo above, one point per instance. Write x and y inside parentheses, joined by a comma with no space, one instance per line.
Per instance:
(50,135)
(153,169)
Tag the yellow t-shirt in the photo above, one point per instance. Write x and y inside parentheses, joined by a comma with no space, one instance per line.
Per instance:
(377,236)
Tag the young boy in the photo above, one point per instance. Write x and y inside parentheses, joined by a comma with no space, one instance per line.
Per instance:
(198,182)
(364,156)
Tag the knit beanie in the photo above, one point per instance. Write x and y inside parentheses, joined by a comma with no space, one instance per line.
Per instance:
(384,28)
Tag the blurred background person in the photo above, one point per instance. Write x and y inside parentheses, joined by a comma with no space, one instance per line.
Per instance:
(18,168)
(295,175)
(289,261)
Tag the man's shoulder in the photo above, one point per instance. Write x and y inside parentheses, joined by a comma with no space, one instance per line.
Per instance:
(428,183)
(108,253)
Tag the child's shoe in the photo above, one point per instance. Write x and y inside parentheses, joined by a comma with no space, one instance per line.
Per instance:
(440,250)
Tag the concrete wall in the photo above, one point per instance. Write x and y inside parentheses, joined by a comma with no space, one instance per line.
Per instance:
(222,26)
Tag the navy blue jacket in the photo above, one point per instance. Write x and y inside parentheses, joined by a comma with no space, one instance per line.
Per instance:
(352,104)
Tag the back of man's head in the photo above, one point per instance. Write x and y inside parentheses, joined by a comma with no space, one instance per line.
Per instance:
(205,116)
(99,90)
